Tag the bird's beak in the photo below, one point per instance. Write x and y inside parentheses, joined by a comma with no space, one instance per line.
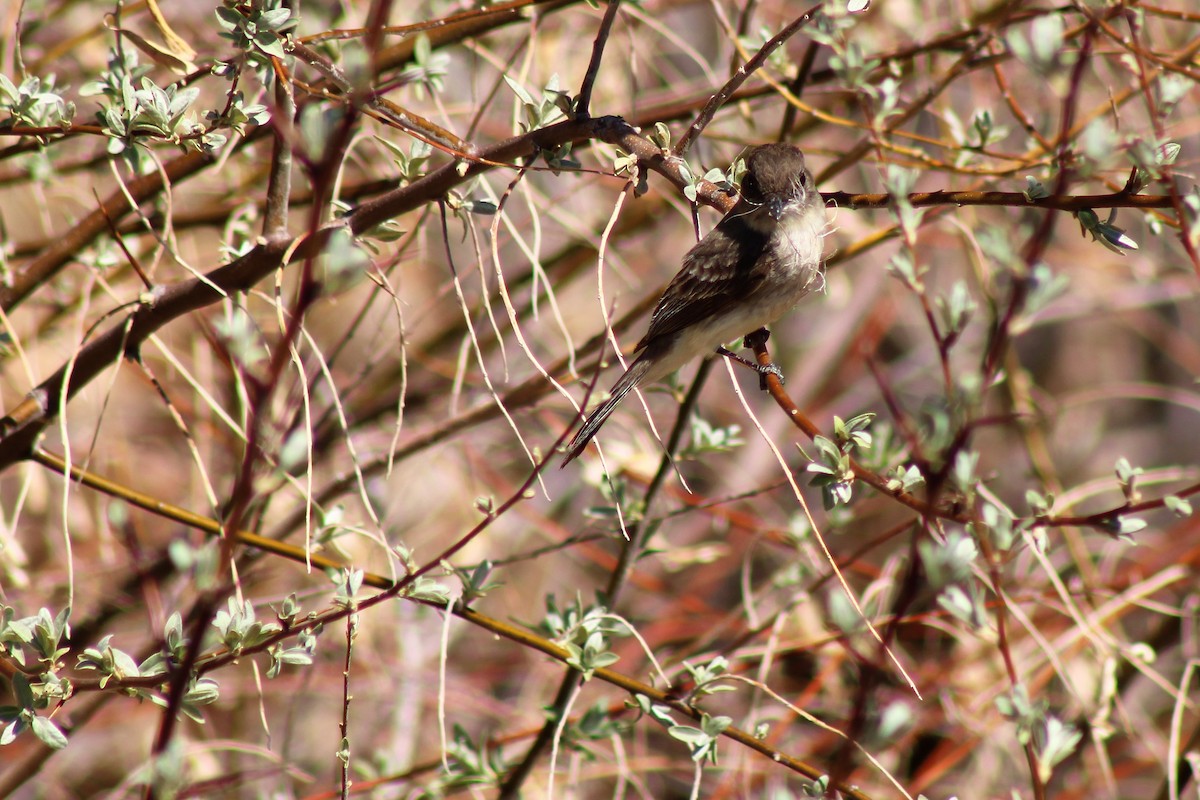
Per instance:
(775,206)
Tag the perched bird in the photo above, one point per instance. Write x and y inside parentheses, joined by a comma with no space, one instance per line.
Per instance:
(754,266)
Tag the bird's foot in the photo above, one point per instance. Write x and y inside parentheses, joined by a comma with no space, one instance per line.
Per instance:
(759,337)
(756,339)
(768,369)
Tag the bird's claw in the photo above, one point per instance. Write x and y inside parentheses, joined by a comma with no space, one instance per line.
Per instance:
(754,341)
(769,369)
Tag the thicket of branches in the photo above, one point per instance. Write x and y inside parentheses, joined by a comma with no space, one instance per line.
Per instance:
(303,297)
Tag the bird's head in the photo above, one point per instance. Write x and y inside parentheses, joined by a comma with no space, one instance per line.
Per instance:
(777,184)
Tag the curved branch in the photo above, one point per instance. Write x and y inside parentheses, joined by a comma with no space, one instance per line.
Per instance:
(24,425)
(1064,202)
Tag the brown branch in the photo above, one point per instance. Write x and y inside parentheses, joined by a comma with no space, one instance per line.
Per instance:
(25,423)
(867,476)
(1103,520)
(584,101)
(41,269)
(461,25)
(718,100)
(28,277)
(1064,202)
(390,590)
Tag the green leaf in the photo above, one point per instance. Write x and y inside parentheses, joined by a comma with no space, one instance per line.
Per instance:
(519,90)
(1034,189)
(48,733)
(1126,525)
(1178,506)
(11,731)
(1056,741)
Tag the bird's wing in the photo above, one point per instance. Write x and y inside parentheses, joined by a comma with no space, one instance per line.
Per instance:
(710,280)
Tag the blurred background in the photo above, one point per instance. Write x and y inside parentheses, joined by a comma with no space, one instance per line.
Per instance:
(1013,614)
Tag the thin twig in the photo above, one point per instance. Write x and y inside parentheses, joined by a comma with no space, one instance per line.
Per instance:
(737,79)
(584,103)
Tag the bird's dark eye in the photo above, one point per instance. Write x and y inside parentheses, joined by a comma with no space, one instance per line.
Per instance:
(750,187)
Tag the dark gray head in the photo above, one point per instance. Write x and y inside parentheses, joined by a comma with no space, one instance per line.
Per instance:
(777,181)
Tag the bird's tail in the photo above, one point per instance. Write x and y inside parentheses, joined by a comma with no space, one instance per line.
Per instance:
(637,370)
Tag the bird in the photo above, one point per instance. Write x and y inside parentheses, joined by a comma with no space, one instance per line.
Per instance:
(747,272)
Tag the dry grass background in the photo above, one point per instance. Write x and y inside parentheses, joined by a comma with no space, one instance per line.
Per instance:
(428,408)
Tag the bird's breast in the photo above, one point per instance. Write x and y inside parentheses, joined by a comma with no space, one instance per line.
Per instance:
(798,244)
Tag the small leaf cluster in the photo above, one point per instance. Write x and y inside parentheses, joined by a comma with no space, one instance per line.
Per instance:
(1042,283)
(1053,740)
(241,337)
(461,204)
(411,164)
(41,636)
(954,312)
(717,177)
(848,60)
(157,111)
(706,676)
(23,716)
(899,183)
(34,641)
(891,722)
(627,164)
(422,587)
(554,105)
(621,503)
(997,525)
(1149,161)
(237,117)
(428,590)
(661,136)
(172,653)
(1104,231)
(594,725)
(905,479)
(1120,524)
(1034,189)
(302,652)
(904,269)
(701,741)
(35,103)
(109,661)
(709,438)
(1042,49)
(475,582)
(819,787)
(559,158)
(261,28)
(427,68)
(887,100)
(472,763)
(985,130)
(134,108)
(950,561)
(239,628)
(1102,145)
(584,632)
(343,263)
(948,569)
(347,584)
(1045,285)
(832,468)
